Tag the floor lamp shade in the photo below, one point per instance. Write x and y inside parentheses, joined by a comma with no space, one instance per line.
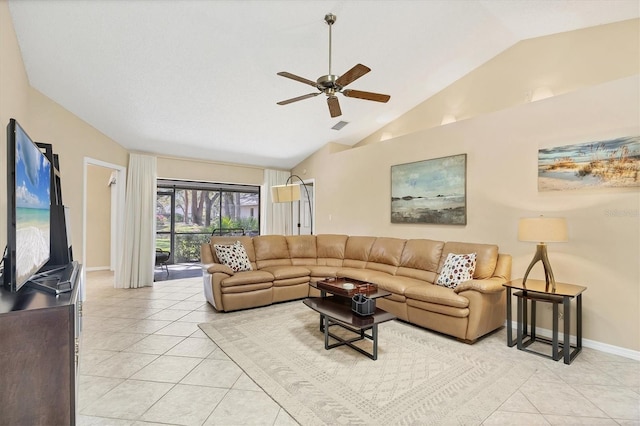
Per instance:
(285,193)
(290,192)
(542,230)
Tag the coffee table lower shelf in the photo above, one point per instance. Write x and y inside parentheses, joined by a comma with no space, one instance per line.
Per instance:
(334,312)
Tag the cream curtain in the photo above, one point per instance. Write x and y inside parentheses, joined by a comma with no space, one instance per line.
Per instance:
(276,217)
(138,256)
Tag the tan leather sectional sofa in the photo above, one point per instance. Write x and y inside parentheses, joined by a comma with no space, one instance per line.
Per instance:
(283,266)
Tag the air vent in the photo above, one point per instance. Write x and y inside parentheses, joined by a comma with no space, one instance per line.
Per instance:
(339,125)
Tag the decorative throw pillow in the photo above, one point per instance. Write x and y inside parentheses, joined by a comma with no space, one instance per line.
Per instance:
(457,268)
(234,256)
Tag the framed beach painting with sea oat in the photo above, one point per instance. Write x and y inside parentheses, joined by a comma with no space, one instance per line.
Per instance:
(612,163)
(430,191)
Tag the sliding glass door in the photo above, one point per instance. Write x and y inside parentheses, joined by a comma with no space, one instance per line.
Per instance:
(190,212)
(164,221)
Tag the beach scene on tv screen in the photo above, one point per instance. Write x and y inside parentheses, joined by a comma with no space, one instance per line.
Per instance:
(33,180)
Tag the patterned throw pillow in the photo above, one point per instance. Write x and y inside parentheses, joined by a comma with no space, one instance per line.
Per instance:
(457,268)
(234,256)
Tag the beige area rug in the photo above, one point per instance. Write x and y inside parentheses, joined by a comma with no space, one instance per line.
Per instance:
(419,378)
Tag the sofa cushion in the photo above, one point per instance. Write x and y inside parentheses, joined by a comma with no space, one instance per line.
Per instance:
(331,246)
(417,307)
(398,285)
(244,289)
(247,277)
(234,256)
(436,294)
(385,254)
(486,257)
(330,249)
(323,271)
(271,250)
(286,271)
(356,252)
(417,274)
(302,247)
(360,274)
(421,254)
(457,269)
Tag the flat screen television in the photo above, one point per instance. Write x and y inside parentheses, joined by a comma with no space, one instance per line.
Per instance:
(28,208)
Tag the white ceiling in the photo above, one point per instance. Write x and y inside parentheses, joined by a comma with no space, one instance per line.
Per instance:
(198,78)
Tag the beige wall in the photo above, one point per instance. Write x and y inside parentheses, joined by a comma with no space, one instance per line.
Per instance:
(13,100)
(353,185)
(98,218)
(46,121)
(73,140)
(208,171)
(561,62)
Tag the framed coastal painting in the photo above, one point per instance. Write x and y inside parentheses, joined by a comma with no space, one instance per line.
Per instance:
(430,191)
(611,163)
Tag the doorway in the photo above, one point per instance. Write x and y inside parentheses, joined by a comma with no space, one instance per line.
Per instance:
(104,189)
(306,209)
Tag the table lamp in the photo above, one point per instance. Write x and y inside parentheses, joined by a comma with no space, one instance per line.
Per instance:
(542,230)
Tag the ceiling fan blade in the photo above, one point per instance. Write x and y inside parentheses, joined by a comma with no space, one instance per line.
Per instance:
(297,78)
(334,106)
(369,96)
(299,98)
(352,75)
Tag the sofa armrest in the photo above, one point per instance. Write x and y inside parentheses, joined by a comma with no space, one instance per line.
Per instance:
(490,285)
(217,267)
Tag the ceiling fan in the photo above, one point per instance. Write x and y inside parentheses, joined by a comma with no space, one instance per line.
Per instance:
(331,84)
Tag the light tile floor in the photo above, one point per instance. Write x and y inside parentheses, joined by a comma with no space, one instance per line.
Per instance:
(144,361)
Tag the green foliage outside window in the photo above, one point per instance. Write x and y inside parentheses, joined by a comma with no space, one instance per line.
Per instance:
(188,248)
(246,223)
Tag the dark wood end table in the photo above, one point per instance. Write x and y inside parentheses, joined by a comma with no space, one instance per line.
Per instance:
(534,291)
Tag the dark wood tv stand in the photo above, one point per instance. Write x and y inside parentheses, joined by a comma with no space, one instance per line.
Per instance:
(39,347)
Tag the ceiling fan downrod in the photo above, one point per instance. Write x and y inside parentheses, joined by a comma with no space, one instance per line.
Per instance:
(330,19)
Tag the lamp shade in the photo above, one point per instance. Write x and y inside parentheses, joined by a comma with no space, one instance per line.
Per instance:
(285,193)
(543,229)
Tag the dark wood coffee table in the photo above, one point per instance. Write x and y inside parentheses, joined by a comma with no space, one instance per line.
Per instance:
(335,310)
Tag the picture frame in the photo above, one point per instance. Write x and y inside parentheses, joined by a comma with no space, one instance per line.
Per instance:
(610,163)
(431,191)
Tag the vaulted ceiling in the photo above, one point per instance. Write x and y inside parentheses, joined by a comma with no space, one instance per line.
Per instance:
(196,78)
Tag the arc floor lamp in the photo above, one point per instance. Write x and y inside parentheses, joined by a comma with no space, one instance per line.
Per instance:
(290,192)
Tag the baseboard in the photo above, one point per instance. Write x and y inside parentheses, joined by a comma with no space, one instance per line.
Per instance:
(587,343)
(97,268)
